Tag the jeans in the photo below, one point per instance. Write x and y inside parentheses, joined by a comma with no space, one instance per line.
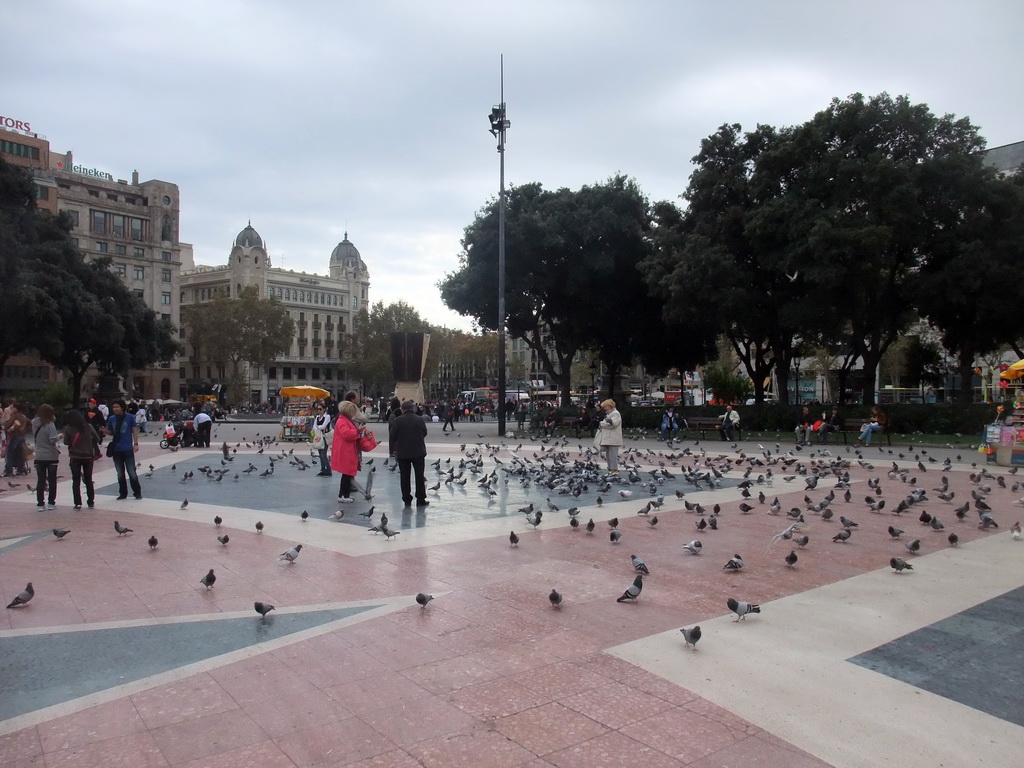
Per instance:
(869,428)
(405,468)
(806,431)
(124,461)
(81,469)
(325,461)
(15,457)
(46,480)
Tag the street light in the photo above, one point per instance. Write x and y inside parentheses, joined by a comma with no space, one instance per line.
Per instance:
(499,124)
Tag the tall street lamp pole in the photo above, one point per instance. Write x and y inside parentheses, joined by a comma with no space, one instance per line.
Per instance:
(499,124)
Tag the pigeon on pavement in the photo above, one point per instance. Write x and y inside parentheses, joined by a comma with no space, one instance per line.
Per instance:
(735,563)
(513,539)
(555,598)
(422,599)
(208,580)
(639,565)
(693,547)
(121,530)
(224,540)
(291,555)
(741,608)
(262,608)
(23,597)
(633,591)
(153,542)
(898,564)
(691,636)
(259,526)
(60,533)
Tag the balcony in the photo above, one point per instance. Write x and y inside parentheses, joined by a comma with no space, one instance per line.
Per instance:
(301,323)
(329,326)
(317,325)
(302,341)
(316,342)
(329,343)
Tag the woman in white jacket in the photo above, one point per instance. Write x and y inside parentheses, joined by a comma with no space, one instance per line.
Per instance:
(610,435)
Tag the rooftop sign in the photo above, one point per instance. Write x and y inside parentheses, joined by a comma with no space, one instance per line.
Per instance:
(80,169)
(13,124)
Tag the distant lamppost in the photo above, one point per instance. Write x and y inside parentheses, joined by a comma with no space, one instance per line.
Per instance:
(499,124)
(593,378)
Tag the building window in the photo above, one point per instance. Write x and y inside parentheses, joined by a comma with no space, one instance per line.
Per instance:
(327,374)
(98,222)
(165,255)
(286,372)
(165,317)
(165,275)
(120,250)
(138,292)
(121,270)
(165,298)
(111,196)
(130,200)
(279,293)
(270,292)
(72,214)
(315,373)
(137,228)
(117,224)
(355,302)
(302,374)
(101,247)
(19,150)
(272,372)
(139,273)
(93,193)
(288,294)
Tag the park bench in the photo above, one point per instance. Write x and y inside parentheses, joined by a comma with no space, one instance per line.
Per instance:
(705,424)
(854,426)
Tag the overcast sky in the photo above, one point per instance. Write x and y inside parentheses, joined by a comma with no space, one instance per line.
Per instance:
(316,117)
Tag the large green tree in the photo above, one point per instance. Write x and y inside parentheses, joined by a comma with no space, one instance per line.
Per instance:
(368,358)
(246,329)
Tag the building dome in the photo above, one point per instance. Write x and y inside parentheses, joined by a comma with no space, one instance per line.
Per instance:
(347,255)
(250,238)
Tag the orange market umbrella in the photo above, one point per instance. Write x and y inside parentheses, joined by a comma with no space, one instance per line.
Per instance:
(1011,375)
(1018,366)
(304,390)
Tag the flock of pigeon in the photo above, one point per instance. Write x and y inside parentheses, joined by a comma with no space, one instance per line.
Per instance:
(555,471)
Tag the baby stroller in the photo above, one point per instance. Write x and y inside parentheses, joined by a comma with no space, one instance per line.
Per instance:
(179,433)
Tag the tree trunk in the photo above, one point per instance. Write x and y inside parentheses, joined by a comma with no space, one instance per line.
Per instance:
(870,360)
(965,366)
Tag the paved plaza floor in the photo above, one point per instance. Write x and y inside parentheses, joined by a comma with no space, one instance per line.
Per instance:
(124,658)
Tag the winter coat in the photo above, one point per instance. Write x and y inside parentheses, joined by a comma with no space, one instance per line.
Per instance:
(81,445)
(611,428)
(344,454)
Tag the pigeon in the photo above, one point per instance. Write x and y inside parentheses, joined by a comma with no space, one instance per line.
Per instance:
(304,515)
(60,533)
(259,526)
(591,526)
(1015,531)
(615,536)
(390,534)
(693,547)
(936,524)
(208,580)
(735,564)
(691,636)
(847,522)
(925,518)
(513,539)
(121,530)
(653,522)
(898,564)
(633,592)
(575,524)
(913,546)
(217,521)
(153,542)
(262,608)
(843,535)
(25,595)
(224,540)
(895,532)
(422,599)
(791,558)
(701,524)
(801,541)
(614,522)
(741,609)
(184,504)
(555,598)
(291,555)
(639,565)
(713,522)
(953,539)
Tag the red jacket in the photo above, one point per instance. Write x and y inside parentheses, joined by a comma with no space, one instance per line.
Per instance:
(344,453)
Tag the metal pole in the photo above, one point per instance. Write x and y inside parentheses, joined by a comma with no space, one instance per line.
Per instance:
(502,125)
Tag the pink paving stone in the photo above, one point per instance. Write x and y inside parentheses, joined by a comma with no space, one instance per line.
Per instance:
(389,689)
(327,669)
(496,698)
(207,736)
(266,754)
(548,728)
(418,720)
(287,712)
(105,721)
(20,745)
(136,750)
(513,658)
(196,696)
(335,744)
(399,758)
(441,677)
(560,679)
(685,735)
(612,750)
(480,748)
(615,704)
(755,752)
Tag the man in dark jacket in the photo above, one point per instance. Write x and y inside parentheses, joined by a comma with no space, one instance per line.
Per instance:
(407,434)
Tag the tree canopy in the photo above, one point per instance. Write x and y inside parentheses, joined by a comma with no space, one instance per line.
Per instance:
(368,357)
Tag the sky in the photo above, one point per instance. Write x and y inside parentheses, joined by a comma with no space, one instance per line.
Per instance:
(313,118)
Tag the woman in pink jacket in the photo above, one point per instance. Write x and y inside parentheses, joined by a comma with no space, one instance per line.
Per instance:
(344,451)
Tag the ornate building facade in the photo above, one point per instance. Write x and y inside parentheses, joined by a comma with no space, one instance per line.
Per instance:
(322,306)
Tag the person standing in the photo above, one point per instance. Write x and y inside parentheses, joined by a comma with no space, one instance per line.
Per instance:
(610,428)
(408,434)
(203,423)
(449,416)
(47,440)
(83,442)
(322,422)
(344,451)
(124,445)
(16,426)
(95,417)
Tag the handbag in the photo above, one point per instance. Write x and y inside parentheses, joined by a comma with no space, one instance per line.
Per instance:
(316,439)
(28,452)
(367,442)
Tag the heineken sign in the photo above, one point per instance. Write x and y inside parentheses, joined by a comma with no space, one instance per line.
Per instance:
(81,169)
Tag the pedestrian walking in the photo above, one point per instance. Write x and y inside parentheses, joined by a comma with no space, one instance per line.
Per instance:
(407,435)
